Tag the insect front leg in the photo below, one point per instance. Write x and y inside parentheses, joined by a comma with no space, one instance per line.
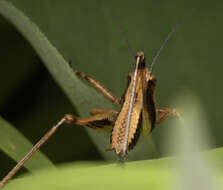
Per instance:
(163,114)
(112,98)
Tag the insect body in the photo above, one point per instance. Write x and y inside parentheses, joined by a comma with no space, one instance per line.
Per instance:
(138,110)
(138,113)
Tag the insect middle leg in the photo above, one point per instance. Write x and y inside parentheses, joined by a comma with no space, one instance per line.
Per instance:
(163,114)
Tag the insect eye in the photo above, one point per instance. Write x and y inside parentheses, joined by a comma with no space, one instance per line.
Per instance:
(141,57)
(140,54)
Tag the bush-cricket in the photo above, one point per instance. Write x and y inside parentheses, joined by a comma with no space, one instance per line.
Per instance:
(138,113)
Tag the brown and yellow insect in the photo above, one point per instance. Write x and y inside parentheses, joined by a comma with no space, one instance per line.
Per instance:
(138,112)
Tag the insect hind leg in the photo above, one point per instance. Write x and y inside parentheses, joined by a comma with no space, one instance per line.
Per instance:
(66,119)
(100,120)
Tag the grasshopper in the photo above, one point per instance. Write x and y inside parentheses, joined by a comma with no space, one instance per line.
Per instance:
(138,113)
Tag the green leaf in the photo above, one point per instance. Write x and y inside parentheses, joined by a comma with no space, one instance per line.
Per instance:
(14,144)
(188,139)
(179,172)
(156,174)
(82,96)
(138,175)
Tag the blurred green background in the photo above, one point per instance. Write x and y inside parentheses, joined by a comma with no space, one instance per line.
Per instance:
(84,32)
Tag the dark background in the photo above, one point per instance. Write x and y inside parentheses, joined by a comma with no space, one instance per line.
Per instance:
(83,31)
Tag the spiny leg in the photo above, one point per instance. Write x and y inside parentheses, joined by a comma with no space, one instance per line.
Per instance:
(66,119)
(114,99)
(163,114)
(101,121)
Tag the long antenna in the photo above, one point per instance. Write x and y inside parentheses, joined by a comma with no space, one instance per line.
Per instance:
(130,49)
(171,34)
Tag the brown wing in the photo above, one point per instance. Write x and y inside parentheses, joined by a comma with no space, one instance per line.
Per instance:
(149,109)
(119,130)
